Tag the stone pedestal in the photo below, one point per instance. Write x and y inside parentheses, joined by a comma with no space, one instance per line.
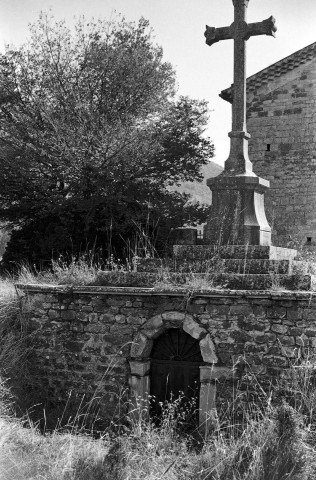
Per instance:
(237,213)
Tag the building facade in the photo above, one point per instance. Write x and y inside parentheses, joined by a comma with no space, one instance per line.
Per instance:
(281,119)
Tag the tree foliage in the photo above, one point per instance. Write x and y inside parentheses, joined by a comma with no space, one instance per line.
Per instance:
(92,134)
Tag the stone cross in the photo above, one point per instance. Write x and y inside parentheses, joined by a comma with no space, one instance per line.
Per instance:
(237,215)
(238,161)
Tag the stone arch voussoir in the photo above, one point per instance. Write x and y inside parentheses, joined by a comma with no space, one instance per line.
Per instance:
(155,326)
(141,350)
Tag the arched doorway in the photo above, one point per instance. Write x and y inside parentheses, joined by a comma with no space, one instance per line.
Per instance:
(175,371)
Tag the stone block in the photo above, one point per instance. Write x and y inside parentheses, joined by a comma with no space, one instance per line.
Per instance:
(90,328)
(211,373)
(276,312)
(295,331)
(115,302)
(195,309)
(153,327)
(302,340)
(286,340)
(87,308)
(178,316)
(254,348)
(240,336)
(275,361)
(290,352)
(277,328)
(216,310)
(264,337)
(141,346)
(82,317)
(107,318)
(259,310)
(68,315)
(127,311)
(46,305)
(234,251)
(137,304)
(120,319)
(208,350)
(309,314)
(133,320)
(253,325)
(114,310)
(91,318)
(256,266)
(191,327)
(200,301)
(312,342)
(121,330)
(140,388)
(207,403)
(74,346)
(274,350)
(140,369)
(310,332)
(76,327)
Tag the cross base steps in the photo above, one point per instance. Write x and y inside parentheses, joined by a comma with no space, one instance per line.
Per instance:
(237,267)
(260,252)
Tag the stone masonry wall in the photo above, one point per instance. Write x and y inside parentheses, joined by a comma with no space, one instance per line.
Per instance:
(87,340)
(281,119)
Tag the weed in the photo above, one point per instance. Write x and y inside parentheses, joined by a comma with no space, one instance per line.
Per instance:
(273,443)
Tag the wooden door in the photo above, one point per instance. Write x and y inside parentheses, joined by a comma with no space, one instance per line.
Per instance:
(175,372)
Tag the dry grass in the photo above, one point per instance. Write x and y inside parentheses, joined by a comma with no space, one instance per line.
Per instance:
(89,270)
(13,348)
(275,443)
(80,271)
(25,454)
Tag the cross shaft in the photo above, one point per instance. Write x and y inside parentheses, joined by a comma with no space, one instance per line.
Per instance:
(238,161)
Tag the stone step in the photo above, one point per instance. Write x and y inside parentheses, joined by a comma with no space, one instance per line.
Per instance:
(225,265)
(204,252)
(249,266)
(215,265)
(237,281)
(200,281)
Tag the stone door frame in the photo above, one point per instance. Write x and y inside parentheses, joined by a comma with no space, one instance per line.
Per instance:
(139,362)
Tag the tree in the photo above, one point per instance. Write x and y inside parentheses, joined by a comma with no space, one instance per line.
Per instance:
(92,134)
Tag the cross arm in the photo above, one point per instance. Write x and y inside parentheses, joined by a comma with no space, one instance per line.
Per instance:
(214,35)
(266,27)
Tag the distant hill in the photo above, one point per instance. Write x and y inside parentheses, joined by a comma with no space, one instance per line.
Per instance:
(200,191)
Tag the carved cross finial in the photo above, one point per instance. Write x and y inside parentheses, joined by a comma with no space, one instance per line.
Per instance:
(240,31)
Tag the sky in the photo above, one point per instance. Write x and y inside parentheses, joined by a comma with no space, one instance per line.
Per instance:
(179,26)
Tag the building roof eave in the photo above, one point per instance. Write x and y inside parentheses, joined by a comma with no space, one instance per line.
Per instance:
(277,69)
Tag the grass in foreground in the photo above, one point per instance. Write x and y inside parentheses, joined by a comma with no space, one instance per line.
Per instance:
(275,443)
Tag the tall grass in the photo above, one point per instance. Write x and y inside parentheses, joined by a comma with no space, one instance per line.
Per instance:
(13,338)
(72,271)
(25,454)
(274,444)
